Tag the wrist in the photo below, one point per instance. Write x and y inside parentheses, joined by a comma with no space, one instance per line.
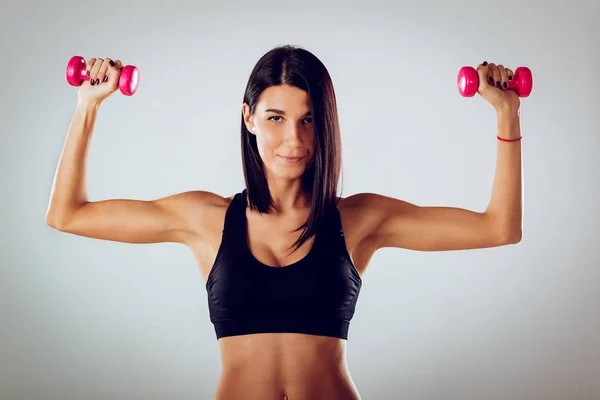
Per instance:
(503,139)
(87,104)
(508,125)
(507,113)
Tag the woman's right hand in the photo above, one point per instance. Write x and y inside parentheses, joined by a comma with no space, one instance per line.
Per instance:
(104,80)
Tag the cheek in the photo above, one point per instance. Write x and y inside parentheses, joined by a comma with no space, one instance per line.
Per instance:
(265,144)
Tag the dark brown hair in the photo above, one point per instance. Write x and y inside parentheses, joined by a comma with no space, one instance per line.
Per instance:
(292,65)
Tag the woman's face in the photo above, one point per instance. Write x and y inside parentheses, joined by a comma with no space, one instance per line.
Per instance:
(283,128)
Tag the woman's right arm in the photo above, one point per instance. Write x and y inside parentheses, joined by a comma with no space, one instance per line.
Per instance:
(176,218)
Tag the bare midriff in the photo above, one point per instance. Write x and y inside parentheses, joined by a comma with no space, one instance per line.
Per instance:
(276,366)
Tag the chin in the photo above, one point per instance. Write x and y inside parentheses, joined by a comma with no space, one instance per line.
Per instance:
(287,170)
(291,175)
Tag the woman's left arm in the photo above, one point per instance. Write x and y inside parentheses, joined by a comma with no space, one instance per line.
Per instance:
(392,222)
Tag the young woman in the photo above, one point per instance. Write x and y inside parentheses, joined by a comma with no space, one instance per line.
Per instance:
(283,259)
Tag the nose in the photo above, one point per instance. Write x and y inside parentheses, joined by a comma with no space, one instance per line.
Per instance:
(293,133)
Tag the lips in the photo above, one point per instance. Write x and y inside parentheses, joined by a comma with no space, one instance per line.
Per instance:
(292,160)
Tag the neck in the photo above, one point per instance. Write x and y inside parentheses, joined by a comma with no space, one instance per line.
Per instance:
(288,196)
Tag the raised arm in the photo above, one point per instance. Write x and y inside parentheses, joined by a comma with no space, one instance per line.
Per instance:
(389,222)
(176,218)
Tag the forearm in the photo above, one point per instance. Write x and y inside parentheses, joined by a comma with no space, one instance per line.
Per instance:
(69,186)
(505,205)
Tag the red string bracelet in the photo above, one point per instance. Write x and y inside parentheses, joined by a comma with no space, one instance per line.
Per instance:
(510,140)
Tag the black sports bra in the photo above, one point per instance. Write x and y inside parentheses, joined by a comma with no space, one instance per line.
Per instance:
(316,295)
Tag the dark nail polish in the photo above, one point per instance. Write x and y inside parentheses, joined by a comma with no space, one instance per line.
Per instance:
(106,78)
(505,85)
(112,63)
(92,82)
(498,84)
(491,80)
(87,73)
(484,63)
(97,81)
(510,78)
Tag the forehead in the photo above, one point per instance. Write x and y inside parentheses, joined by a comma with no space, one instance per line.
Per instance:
(284,97)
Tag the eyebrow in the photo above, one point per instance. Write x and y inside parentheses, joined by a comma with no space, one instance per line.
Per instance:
(281,111)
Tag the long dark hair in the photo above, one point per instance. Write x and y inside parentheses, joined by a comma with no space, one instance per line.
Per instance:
(292,65)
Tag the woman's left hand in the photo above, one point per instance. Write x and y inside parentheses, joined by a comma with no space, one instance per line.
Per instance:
(493,86)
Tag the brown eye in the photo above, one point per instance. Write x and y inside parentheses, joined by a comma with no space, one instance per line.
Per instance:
(275,116)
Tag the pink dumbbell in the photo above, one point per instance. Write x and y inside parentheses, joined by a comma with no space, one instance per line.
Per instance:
(468,81)
(128,81)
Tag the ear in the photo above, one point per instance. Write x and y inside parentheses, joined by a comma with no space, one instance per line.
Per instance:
(248,118)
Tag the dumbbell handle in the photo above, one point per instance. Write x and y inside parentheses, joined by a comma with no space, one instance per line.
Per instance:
(468,81)
(128,80)
(83,75)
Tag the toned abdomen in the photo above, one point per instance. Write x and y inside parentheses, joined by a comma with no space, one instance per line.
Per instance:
(269,366)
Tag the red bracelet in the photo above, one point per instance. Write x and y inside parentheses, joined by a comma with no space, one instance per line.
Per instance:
(510,140)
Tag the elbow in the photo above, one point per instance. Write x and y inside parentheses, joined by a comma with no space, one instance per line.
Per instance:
(515,237)
(55,221)
(59,217)
(506,231)
(512,236)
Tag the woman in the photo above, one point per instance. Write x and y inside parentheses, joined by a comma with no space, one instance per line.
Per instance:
(283,260)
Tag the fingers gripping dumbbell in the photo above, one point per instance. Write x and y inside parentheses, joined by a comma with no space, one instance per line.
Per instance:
(128,80)
(468,81)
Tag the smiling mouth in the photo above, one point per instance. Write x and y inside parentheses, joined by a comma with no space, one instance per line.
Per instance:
(292,159)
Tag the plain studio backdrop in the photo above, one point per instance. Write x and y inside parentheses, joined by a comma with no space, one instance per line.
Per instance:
(90,319)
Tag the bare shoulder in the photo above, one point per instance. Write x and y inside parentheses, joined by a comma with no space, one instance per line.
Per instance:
(359,216)
(357,207)
(204,211)
(200,199)
(364,212)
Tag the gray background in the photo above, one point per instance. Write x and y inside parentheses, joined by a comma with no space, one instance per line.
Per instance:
(91,319)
